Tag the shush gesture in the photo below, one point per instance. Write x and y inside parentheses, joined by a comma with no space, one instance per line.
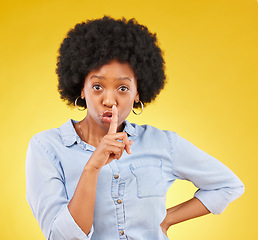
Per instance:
(109,148)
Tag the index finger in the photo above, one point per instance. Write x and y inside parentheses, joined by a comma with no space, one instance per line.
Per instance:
(114,121)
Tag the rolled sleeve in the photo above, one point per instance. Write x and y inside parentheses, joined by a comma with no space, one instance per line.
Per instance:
(66,227)
(217,184)
(47,196)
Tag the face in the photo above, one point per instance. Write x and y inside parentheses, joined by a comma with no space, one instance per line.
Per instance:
(112,84)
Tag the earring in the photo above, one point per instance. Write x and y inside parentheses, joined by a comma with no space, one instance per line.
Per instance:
(75,104)
(141,107)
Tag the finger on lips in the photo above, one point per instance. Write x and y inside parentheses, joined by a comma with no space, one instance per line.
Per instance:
(113,130)
(114,121)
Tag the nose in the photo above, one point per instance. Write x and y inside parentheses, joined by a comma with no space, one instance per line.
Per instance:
(109,99)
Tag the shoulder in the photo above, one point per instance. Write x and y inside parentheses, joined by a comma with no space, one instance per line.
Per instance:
(44,142)
(55,137)
(151,130)
(155,134)
(47,136)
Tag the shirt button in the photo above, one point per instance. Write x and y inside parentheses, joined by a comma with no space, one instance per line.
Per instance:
(116,176)
(122,232)
(119,201)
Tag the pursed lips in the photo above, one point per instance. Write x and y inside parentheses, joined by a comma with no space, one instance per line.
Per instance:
(106,116)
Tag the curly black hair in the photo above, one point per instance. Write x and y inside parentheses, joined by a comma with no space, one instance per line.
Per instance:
(92,44)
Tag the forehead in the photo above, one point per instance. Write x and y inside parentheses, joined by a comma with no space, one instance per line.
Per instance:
(113,69)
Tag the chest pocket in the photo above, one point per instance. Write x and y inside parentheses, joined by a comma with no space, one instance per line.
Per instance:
(149,178)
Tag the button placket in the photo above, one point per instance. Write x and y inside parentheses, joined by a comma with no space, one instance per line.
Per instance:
(117,193)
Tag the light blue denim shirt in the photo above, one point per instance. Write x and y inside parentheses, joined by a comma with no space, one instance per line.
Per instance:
(131,191)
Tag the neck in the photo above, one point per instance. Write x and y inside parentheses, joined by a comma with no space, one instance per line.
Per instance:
(91,132)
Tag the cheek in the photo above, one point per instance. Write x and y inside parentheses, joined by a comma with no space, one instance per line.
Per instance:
(91,103)
(90,98)
(127,106)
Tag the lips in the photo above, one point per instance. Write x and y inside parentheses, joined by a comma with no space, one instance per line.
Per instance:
(106,116)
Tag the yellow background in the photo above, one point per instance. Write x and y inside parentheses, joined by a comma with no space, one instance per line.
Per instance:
(211,53)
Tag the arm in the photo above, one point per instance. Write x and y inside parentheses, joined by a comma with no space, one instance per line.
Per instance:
(46,193)
(217,185)
(182,212)
(46,187)
(82,203)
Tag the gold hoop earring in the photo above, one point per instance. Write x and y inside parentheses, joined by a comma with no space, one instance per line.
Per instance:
(75,104)
(141,107)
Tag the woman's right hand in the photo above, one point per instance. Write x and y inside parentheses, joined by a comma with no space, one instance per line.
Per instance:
(109,148)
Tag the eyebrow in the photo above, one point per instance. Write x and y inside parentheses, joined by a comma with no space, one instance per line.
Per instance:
(120,78)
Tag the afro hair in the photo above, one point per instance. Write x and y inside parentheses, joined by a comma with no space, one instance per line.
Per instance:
(94,43)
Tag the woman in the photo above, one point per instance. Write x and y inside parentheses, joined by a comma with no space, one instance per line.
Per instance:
(106,178)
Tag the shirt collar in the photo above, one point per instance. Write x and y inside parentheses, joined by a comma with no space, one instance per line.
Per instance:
(69,135)
(129,128)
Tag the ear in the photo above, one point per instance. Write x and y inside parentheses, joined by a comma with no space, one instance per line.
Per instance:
(82,94)
(137,98)
(82,90)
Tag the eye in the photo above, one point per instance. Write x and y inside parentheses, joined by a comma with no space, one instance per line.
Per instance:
(97,87)
(123,89)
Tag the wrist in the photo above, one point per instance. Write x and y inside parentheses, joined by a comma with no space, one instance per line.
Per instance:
(91,168)
(165,224)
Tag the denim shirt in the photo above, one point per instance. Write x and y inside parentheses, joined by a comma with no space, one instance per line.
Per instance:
(131,192)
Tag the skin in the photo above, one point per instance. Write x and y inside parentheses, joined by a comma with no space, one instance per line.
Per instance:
(112,87)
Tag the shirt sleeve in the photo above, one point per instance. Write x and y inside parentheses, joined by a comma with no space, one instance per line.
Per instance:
(217,184)
(47,197)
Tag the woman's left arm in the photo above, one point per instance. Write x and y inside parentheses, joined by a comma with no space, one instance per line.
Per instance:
(187,210)
(217,184)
